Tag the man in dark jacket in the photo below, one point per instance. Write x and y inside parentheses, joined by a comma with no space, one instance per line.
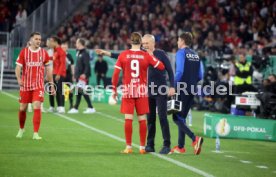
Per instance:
(82,74)
(101,68)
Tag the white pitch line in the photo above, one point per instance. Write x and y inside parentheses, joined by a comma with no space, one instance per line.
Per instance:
(178,163)
(218,152)
(245,161)
(262,166)
(229,156)
(111,117)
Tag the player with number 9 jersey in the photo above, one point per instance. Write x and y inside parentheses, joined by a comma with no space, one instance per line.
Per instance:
(134,65)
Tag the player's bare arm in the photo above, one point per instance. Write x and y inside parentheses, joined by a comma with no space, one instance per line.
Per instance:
(18,74)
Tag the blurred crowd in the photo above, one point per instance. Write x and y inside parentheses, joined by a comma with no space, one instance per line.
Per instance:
(15,12)
(215,24)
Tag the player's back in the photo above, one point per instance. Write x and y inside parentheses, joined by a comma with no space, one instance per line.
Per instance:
(134,64)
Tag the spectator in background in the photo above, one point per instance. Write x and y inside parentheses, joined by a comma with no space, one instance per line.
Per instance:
(243,75)
(101,68)
(21,16)
(20,22)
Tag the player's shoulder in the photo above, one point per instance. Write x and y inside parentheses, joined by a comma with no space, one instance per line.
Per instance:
(43,50)
(24,49)
(159,51)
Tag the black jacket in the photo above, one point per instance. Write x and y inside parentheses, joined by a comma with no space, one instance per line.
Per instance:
(82,64)
(101,67)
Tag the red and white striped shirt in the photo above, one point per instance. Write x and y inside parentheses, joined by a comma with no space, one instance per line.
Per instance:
(33,64)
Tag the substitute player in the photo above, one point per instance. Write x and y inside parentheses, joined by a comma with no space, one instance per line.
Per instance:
(32,61)
(134,64)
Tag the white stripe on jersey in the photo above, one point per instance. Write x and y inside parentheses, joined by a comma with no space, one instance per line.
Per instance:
(118,67)
(31,74)
(26,69)
(156,64)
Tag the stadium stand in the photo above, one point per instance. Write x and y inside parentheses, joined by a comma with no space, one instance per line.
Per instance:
(14,12)
(215,24)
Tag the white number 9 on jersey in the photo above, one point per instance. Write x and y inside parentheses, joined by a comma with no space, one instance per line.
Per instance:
(134,65)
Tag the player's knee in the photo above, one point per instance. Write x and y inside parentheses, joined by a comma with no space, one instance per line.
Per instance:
(142,117)
(23,107)
(36,105)
(129,116)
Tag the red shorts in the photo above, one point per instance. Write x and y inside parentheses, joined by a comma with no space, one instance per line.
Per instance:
(140,104)
(31,96)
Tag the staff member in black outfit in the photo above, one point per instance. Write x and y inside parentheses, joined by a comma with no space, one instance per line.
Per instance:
(101,68)
(82,74)
(157,78)
(69,70)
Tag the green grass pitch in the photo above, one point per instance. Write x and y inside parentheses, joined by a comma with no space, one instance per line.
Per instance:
(89,145)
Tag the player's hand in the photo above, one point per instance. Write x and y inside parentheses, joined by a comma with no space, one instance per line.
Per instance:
(100,52)
(115,95)
(83,76)
(20,82)
(57,78)
(171,91)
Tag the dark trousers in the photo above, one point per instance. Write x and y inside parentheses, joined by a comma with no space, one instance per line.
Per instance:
(71,100)
(180,120)
(161,102)
(59,94)
(244,88)
(86,97)
(99,78)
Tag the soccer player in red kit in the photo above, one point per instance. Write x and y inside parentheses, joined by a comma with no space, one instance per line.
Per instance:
(32,61)
(134,64)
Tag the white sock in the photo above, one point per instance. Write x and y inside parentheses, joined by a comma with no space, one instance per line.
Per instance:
(142,147)
(129,147)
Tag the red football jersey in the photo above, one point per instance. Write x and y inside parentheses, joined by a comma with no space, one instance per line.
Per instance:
(134,64)
(32,63)
(59,62)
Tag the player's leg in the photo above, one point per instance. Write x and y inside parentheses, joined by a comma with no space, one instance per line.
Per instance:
(37,98)
(151,117)
(90,109)
(142,109)
(127,108)
(60,96)
(71,100)
(181,135)
(180,120)
(25,98)
(52,103)
(36,119)
(75,108)
(161,101)
(22,119)
(52,99)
